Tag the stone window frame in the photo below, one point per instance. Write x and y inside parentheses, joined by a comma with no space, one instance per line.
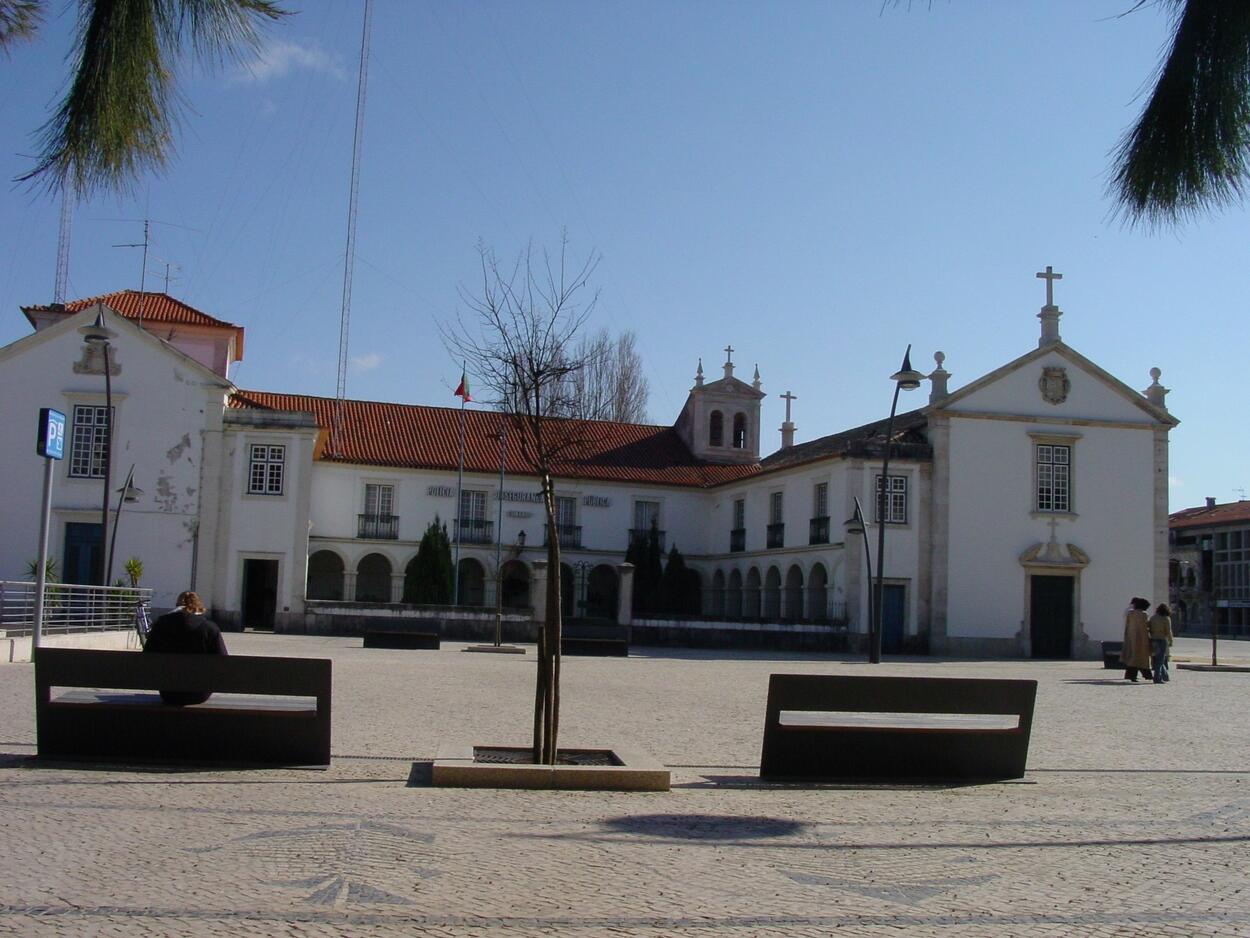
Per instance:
(1040,438)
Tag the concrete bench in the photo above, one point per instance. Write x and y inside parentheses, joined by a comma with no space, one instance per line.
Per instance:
(266,711)
(395,638)
(603,640)
(905,728)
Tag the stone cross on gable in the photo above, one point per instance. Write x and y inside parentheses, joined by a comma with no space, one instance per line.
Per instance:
(729,353)
(1050,277)
(788,397)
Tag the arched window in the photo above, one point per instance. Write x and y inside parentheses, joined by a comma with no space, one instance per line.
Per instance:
(325,575)
(373,579)
(516,585)
(733,597)
(740,431)
(751,595)
(817,595)
(772,594)
(471,583)
(792,605)
(716,429)
(601,593)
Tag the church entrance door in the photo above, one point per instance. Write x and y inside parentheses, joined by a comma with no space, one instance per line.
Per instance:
(1051,615)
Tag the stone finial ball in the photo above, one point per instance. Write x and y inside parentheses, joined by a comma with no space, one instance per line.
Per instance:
(1155,373)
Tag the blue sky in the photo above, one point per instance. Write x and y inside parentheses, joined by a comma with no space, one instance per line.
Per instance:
(818,184)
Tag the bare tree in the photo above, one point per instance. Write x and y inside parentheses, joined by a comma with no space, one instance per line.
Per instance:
(516,338)
(610,384)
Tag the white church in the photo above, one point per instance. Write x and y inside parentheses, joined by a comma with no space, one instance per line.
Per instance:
(1023,509)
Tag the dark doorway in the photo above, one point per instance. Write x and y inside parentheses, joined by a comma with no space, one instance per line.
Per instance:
(81,560)
(260,593)
(893,615)
(1050,616)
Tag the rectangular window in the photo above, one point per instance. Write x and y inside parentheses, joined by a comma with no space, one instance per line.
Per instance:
(776,508)
(379,500)
(265,469)
(895,500)
(89,439)
(566,511)
(645,515)
(1054,479)
(820,500)
(472,505)
(740,513)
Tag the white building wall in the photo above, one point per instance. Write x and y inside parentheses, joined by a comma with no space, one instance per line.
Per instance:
(992,522)
(161,402)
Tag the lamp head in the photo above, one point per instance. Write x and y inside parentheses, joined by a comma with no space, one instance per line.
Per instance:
(855,523)
(520,538)
(907,377)
(97,333)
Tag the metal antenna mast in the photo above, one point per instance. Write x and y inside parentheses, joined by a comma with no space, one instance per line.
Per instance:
(62,250)
(350,257)
(143,271)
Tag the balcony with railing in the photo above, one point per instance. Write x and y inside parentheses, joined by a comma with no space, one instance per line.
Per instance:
(818,530)
(640,535)
(378,527)
(570,535)
(776,536)
(475,531)
(737,540)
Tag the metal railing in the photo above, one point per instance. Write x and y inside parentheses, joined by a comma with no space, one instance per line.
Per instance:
(737,539)
(570,535)
(68,607)
(640,535)
(818,530)
(475,531)
(381,527)
(775,536)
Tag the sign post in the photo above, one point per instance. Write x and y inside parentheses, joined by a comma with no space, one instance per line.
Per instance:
(51,446)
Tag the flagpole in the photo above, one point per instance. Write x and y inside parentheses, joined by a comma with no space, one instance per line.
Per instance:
(503,450)
(455,567)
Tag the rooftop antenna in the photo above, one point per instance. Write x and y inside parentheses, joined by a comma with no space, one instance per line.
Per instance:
(350,256)
(143,272)
(168,265)
(1241,494)
(62,250)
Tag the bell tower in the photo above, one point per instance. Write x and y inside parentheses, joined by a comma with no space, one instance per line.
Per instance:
(721,419)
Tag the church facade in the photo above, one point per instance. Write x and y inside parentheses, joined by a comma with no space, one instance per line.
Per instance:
(1022,509)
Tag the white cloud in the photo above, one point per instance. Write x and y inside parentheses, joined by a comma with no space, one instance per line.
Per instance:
(366,362)
(1175,483)
(281,57)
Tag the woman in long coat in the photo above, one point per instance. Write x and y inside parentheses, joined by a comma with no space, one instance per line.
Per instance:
(1135,653)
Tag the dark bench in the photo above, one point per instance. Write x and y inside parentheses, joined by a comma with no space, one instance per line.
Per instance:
(1111,655)
(284,720)
(394,638)
(604,640)
(912,728)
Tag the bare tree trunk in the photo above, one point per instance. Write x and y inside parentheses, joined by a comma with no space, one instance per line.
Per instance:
(540,698)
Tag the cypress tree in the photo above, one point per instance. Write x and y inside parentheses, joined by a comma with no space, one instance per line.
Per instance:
(430,582)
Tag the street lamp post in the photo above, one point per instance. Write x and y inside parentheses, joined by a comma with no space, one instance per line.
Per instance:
(855,525)
(97,335)
(905,379)
(127,494)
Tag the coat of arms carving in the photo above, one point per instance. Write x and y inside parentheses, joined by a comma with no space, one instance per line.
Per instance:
(1054,385)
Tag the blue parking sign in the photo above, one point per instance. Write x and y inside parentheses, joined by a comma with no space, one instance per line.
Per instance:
(51,433)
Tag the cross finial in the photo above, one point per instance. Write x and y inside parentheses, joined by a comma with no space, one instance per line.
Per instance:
(1050,277)
(729,354)
(788,397)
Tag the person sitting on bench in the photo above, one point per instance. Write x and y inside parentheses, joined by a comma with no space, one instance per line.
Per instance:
(185,630)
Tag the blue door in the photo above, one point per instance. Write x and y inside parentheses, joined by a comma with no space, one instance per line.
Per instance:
(80,562)
(893,609)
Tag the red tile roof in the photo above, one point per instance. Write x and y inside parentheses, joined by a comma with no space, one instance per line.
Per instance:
(1232,513)
(419,437)
(148,306)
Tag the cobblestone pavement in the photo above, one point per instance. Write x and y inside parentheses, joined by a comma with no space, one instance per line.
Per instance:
(1134,818)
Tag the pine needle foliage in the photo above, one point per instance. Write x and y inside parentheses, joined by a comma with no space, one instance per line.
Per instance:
(1187,153)
(18,20)
(116,122)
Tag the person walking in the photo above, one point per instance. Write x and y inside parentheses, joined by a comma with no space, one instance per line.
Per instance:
(1135,652)
(185,631)
(1160,628)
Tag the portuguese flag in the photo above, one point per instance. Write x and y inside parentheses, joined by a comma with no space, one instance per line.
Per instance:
(463,389)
